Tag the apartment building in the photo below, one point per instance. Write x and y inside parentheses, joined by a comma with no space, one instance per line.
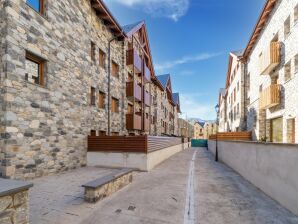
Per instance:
(69,70)
(199,130)
(222,114)
(186,129)
(272,64)
(234,106)
(270,70)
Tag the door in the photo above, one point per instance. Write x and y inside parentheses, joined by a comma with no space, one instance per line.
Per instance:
(277,130)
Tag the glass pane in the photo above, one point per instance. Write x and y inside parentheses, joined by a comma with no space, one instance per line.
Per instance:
(32,69)
(277,130)
(35,4)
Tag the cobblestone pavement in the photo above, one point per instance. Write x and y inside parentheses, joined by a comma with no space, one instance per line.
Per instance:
(158,197)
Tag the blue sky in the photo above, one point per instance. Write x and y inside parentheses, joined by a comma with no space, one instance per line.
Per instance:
(191,39)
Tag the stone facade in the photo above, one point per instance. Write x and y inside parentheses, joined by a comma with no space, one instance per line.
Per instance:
(44,128)
(186,129)
(258,120)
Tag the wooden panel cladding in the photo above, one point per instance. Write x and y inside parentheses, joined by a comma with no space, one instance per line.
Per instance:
(136,144)
(158,143)
(270,97)
(270,58)
(115,69)
(133,89)
(117,144)
(134,60)
(232,136)
(147,73)
(147,100)
(133,122)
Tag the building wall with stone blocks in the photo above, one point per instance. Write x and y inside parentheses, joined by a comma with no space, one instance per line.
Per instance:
(274,30)
(46,126)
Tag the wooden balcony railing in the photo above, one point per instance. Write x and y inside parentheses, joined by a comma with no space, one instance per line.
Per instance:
(133,122)
(147,74)
(134,90)
(147,100)
(270,58)
(270,97)
(134,60)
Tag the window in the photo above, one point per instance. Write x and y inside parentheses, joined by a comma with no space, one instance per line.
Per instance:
(296,63)
(130,109)
(34,69)
(238,109)
(291,130)
(287,71)
(92,133)
(115,133)
(37,5)
(92,96)
(102,58)
(296,14)
(115,105)
(115,69)
(238,86)
(287,27)
(101,100)
(255,121)
(102,133)
(261,88)
(92,51)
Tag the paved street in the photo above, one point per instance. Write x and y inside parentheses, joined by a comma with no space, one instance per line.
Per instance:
(218,195)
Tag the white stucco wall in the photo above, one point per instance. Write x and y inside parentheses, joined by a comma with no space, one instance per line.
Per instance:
(270,167)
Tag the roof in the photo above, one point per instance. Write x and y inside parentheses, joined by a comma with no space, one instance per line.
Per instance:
(201,123)
(176,98)
(132,28)
(238,53)
(163,79)
(105,14)
(269,6)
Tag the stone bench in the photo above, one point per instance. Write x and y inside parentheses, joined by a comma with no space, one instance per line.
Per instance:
(103,187)
(14,203)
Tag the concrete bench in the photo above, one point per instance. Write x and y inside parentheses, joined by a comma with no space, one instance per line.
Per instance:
(105,186)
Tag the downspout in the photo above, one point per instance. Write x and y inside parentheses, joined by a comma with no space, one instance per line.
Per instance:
(109,85)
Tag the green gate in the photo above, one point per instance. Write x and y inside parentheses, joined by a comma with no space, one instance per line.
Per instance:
(199,143)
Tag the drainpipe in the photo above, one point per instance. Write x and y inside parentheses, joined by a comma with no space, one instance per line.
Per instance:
(109,84)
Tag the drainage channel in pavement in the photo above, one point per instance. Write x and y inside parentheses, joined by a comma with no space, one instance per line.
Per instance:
(189,216)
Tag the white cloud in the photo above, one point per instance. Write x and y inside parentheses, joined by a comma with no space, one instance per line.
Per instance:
(173,9)
(185,60)
(195,109)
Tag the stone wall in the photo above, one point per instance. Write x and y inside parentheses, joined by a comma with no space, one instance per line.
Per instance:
(47,126)
(289,94)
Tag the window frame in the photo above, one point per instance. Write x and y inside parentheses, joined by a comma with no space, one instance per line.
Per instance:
(287,65)
(41,67)
(92,96)
(115,65)
(287,27)
(93,51)
(115,108)
(102,58)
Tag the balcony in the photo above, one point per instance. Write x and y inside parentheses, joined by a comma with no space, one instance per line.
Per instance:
(133,122)
(146,124)
(147,100)
(147,74)
(133,60)
(134,90)
(270,58)
(270,97)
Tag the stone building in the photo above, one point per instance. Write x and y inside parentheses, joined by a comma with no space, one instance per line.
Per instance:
(231,104)
(64,74)
(186,129)
(270,74)
(272,65)
(199,130)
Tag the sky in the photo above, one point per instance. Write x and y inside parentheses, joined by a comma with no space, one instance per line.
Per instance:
(191,40)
